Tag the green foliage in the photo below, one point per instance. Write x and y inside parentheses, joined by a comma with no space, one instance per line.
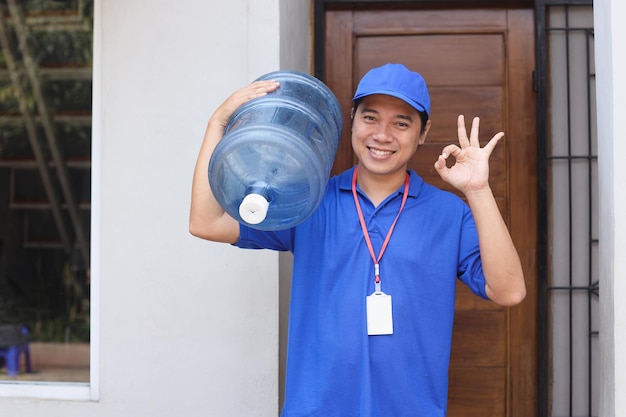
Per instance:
(41,285)
(61,329)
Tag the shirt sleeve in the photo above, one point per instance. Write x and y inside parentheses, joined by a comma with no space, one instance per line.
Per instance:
(280,240)
(470,264)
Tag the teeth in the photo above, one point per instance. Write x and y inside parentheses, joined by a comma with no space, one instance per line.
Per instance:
(380,153)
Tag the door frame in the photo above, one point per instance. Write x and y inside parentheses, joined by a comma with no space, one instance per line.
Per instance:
(321,7)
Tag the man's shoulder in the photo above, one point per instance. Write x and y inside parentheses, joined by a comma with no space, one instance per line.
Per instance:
(342,180)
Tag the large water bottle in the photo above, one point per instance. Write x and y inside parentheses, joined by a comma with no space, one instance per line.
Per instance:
(270,169)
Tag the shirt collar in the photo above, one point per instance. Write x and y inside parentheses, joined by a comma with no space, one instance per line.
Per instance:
(416,182)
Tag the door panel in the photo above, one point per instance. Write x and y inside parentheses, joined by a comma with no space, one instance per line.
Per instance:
(476,63)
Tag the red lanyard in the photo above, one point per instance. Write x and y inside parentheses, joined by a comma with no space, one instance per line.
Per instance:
(366,234)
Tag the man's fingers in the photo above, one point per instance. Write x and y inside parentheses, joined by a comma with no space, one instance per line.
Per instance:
(490,146)
(451,149)
(474,132)
(442,168)
(473,139)
(259,88)
(462,131)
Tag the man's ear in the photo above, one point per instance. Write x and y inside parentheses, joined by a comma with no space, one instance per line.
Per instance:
(423,135)
(352,113)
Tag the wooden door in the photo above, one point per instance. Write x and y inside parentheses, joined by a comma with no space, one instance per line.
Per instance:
(477,62)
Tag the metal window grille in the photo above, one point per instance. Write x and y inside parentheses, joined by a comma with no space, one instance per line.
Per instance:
(568,226)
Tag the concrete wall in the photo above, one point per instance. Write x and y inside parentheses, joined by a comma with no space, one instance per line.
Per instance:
(296,50)
(182,326)
(610,34)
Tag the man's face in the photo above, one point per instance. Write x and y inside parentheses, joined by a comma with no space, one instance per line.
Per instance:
(386,134)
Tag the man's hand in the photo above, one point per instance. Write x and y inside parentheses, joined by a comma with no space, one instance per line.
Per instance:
(470,172)
(243,95)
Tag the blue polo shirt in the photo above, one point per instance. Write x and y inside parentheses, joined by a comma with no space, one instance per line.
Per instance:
(334,369)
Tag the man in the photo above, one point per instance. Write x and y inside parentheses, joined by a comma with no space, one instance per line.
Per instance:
(375,266)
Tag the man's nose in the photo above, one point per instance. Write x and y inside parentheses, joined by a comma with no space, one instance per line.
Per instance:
(382,132)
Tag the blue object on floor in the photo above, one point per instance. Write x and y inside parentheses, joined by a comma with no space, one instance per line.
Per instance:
(11,353)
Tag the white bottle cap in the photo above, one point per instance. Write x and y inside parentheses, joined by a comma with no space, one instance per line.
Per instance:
(253,208)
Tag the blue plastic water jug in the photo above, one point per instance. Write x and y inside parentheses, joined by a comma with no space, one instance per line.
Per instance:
(270,169)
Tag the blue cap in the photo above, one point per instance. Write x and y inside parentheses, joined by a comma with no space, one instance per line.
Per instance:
(398,81)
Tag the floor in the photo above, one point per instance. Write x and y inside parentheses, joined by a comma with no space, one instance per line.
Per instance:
(60,362)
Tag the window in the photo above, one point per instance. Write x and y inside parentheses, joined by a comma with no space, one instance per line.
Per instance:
(45,188)
(569,382)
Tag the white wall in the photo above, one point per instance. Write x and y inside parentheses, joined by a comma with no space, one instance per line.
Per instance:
(186,327)
(610,34)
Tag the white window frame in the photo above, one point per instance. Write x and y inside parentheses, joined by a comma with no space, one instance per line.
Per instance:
(78,391)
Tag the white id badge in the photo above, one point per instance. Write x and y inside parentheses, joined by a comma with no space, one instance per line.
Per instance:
(379,317)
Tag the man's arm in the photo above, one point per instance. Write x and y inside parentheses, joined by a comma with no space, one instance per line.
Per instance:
(501,263)
(207,219)
(470,174)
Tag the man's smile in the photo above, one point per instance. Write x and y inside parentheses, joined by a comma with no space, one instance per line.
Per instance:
(379,152)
